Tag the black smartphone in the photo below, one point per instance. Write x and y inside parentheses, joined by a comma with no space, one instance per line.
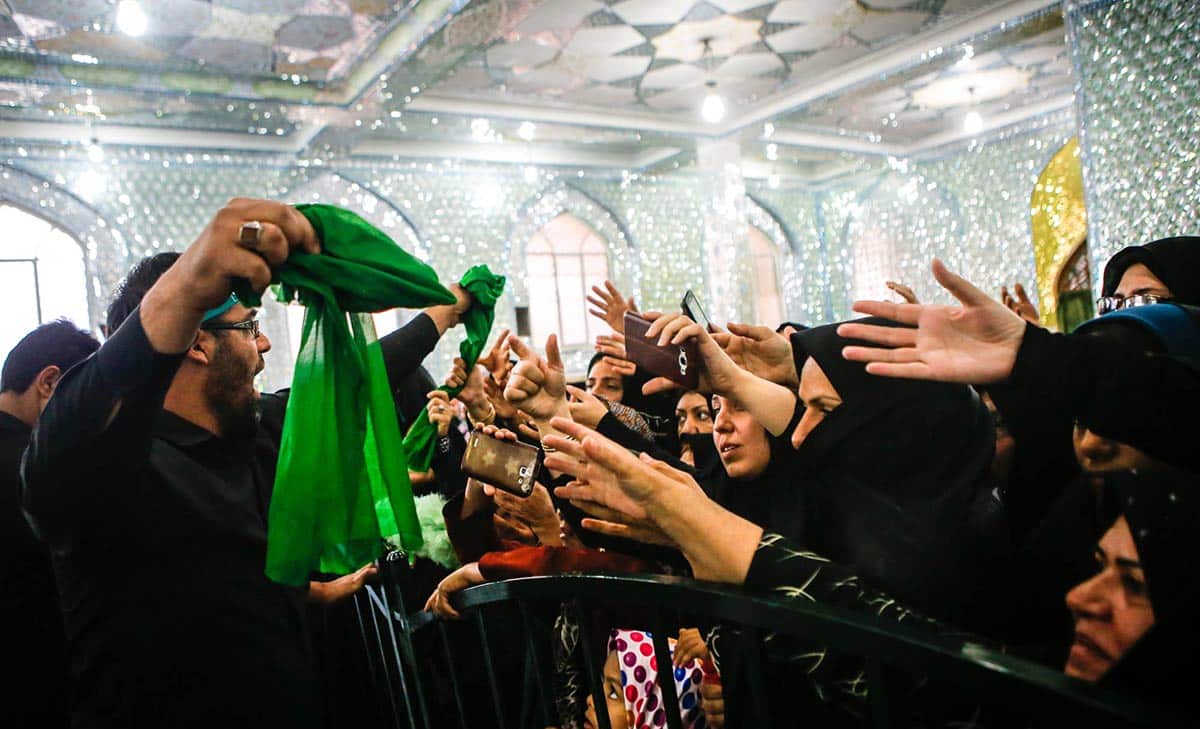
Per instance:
(691,307)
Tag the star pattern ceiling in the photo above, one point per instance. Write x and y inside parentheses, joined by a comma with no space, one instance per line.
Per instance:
(359,74)
(648,54)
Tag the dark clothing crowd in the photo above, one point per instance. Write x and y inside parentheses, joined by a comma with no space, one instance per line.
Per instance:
(954,472)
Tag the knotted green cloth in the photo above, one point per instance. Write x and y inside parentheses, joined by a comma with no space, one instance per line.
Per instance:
(486,287)
(342,481)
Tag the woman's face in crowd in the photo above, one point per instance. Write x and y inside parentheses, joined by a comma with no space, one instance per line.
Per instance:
(612,695)
(1097,454)
(819,396)
(604,381)
(1112,610)
(1138,279)
(740,440)
(692,414)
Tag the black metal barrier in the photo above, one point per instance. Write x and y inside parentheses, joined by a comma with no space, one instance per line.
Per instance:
(890,651)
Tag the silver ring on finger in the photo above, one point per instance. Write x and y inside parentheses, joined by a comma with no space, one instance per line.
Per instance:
(250,233)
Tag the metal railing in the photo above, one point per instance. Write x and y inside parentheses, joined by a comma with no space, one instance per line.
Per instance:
(893,655)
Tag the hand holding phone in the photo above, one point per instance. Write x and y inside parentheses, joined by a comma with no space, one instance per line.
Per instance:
(679,363)
(691,306)
(512,467)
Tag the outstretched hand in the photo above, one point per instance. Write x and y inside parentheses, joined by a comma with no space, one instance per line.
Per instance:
(1020,304)
(327,593)
(760,351)
(610,306)
(537,385)
(607,475)
(719,373)
(904,292)
(460,579)
(595,485)
(585,407)
(496,360)
(975,343)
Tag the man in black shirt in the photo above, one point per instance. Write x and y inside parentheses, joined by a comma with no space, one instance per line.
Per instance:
(150,475)
(30,624)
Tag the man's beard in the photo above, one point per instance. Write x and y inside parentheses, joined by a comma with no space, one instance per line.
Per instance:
(233,403)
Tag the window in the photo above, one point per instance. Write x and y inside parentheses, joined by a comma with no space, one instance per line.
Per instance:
(874,261)
(764,278)
(41,276)
(563,260)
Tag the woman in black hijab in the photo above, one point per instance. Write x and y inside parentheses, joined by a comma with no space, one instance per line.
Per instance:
(614,385)
(1175,262)
(895,475)
(1134,618)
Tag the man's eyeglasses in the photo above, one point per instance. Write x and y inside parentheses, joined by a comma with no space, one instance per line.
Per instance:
(250,325)
(1114,303)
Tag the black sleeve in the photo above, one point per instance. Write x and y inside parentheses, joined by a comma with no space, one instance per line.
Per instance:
(788,571)
(79,446)
(616,431)
(1147,401)
(1043,457)
(404,349)
(447,463)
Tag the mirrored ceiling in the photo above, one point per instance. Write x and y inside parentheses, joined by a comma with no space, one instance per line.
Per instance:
(814,89)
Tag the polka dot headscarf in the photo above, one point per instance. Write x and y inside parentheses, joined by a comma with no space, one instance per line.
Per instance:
(639,682)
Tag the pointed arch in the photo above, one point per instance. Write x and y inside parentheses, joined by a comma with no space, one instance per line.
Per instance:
(104,247)
(549,204)
(337,188)
(878,234)
(540,211)
(774,278)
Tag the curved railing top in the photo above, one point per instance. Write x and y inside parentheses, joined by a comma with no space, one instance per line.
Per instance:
(989,674)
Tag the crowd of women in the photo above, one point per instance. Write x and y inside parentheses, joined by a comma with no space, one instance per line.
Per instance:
(956,467)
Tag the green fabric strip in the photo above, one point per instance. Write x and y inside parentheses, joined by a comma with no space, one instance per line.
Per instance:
(487,288)
(342,481)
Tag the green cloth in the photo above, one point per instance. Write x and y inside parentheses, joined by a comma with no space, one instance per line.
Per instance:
(486,287)
(342,482)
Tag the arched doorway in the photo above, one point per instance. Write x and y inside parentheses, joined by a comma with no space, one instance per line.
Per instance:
(563,260)
(42,276)
(764,279)
(1073,289)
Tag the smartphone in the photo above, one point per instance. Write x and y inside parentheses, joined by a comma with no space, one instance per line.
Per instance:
(510,466)
(678,363)
(691,307)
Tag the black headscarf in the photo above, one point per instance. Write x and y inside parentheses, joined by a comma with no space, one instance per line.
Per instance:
(897,484)
(1175,261)
(1163,511)
(774,499)
(658,409)
(1169,329)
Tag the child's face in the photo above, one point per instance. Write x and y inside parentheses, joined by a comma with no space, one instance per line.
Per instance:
(612,694)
